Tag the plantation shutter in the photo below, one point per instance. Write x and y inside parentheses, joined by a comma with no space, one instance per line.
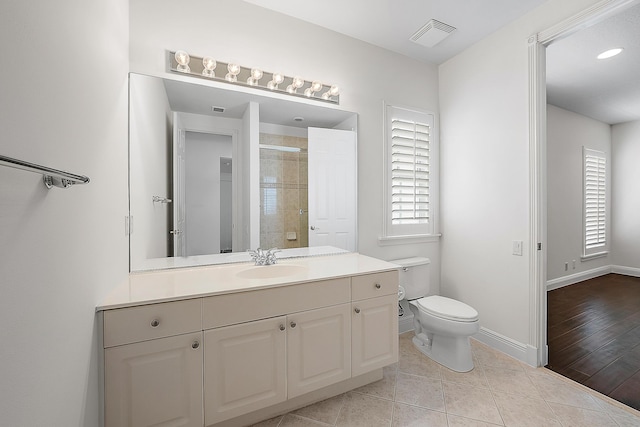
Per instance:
(594,199)
(409,172)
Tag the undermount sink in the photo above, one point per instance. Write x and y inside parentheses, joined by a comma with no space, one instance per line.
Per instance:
(271,271)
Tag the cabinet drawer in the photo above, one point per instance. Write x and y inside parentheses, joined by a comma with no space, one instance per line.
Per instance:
(128,325)
(239,307)
(374,285)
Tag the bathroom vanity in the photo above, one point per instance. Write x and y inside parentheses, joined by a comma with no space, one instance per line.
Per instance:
(235,344)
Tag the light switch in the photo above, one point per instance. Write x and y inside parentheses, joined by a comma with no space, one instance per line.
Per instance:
(517,247)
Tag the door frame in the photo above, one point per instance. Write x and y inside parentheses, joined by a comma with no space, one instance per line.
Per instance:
(537,351)
(187,125)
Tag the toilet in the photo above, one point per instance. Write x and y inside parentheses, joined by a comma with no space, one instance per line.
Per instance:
(442,326)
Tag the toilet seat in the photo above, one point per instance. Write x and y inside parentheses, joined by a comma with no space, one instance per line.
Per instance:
(447,308)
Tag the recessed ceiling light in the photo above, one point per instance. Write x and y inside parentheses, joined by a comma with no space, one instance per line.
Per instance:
(609,53)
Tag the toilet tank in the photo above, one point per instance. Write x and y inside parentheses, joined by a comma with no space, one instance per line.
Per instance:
(414,276)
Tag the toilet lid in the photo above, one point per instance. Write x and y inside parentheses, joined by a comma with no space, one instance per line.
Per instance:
(447,308)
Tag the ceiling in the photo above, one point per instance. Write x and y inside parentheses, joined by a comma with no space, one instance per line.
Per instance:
(197,99)
(606,90)
(390,23)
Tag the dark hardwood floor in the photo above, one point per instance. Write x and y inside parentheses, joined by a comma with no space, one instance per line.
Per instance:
(593,333)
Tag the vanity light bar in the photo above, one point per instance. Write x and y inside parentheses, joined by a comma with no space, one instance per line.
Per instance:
(228,72)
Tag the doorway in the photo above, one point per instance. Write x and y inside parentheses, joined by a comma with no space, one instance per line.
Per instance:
(539,165)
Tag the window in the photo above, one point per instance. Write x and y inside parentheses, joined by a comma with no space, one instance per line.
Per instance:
(595,203)
(410,174)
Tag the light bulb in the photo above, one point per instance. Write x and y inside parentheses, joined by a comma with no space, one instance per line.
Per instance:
(291,89)
(209,65)
(256,74)
(234,69)
(298,82)
(278,78)
(316,86)
(271,85)
(334,91)
(308,92)
(231,78)
(325,95)
(182,58)
(251,81)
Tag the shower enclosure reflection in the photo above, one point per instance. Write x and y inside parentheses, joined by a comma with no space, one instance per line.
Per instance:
(284,211)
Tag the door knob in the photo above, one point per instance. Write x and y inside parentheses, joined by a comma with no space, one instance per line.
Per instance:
(315,228)
(175,232)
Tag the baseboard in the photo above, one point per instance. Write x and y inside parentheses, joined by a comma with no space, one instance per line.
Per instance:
(627,271)
(523,352)
(578,277)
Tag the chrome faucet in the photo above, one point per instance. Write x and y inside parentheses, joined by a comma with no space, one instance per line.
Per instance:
(261,257)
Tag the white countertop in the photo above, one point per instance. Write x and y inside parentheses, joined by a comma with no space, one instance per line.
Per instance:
(178,284)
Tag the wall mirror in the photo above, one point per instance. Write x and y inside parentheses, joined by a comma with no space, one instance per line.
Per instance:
(216,171)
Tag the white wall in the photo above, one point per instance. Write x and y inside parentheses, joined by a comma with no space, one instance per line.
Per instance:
(567,133)
(151,139)
(484,110)
(367,75)
(226,211)
(64,105)
(626,197)
(202,179)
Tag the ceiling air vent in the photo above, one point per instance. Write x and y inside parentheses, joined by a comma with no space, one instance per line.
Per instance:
(217,109)
(432,33)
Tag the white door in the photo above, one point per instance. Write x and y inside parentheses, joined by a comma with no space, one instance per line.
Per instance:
(332,188)
(244,368)
(375,333)
(154,383)
(318,349)
(179,187)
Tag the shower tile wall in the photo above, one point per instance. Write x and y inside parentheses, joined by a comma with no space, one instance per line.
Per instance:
(283,193)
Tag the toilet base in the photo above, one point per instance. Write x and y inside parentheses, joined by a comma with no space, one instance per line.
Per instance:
(451,352)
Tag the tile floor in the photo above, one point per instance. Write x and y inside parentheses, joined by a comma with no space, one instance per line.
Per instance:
(498,391)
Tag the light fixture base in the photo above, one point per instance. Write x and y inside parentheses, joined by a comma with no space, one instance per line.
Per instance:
(252,77)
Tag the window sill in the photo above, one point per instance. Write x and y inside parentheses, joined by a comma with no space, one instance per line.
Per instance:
(594,256)
(403,240)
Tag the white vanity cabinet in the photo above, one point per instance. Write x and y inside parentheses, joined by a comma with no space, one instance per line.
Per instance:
(235,351)
(259,363)
(153,365)
(374,321)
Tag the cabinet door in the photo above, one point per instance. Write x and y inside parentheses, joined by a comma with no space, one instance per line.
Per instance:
(244,368)
(318,348)
(154,383)
(374,333)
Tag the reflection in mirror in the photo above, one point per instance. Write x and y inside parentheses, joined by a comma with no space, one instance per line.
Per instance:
(215,172)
